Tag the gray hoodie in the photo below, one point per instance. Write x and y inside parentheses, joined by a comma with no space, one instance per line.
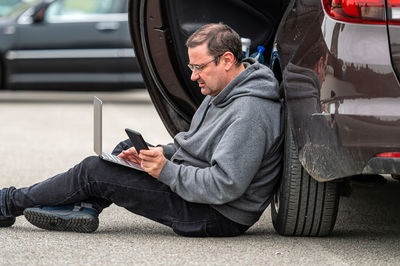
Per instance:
(231,156)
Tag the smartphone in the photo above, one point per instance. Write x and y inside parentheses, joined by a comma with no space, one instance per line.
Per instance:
(137,140)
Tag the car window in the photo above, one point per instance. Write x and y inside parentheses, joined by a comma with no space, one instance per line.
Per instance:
(78,10)
(10,8)
(7,5)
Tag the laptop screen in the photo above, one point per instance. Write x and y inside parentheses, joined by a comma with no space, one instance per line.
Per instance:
(97,127)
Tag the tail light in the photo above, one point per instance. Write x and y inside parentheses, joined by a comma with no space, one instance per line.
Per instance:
(357,11)
(364,11)
(394,11)
(389,155)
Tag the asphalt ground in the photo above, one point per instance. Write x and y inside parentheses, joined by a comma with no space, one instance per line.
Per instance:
(43,133)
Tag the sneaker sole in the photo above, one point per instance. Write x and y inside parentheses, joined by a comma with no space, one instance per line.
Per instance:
(59,221)
(7,222)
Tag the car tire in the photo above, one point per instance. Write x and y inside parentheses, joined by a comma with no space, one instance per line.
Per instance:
(302,206)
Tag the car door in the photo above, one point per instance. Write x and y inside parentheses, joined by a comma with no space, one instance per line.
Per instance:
(72,42)
(159,30)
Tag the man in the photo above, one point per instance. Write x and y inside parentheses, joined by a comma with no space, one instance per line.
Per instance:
(216,179)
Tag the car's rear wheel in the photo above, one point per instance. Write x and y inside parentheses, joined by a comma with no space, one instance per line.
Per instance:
(302,206)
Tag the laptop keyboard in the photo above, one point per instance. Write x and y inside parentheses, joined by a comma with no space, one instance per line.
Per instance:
(116,159)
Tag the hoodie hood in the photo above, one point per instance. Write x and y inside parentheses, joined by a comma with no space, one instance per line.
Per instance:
(263,84)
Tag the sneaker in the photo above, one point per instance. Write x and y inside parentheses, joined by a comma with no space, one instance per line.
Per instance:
(6,221)
(81,217)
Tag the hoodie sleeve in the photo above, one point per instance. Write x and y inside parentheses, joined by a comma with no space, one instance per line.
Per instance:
(234,163)
(169,150)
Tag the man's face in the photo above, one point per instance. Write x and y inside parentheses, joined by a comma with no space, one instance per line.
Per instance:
(211,78)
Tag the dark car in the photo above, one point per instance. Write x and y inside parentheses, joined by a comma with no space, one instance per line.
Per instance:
(68,44)
(337,62)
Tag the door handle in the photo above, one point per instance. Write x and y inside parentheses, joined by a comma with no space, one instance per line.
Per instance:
(107,26)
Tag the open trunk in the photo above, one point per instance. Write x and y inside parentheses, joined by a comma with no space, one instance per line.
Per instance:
(159,30)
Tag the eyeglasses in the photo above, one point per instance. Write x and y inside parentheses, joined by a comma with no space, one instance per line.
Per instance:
(200,68)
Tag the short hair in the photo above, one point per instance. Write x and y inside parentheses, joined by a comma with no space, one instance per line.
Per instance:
(310,56)
(220,38)
(313,55)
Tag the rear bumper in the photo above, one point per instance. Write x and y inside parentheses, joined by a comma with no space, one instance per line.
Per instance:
(378,165)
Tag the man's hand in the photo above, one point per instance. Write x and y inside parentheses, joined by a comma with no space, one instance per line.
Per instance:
(130,155)
(153,161)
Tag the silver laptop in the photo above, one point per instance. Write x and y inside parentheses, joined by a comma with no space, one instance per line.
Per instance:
(97,130)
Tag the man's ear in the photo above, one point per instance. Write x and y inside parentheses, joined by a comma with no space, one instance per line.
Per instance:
(228,60)
(320,65)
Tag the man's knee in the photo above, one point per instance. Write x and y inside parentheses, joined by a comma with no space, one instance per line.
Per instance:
(90,164)
(95,168)
(91,160)
(123,145)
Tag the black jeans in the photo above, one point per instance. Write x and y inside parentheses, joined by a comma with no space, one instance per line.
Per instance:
(101,183)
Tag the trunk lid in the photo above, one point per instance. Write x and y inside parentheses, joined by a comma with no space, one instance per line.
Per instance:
(159,30)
